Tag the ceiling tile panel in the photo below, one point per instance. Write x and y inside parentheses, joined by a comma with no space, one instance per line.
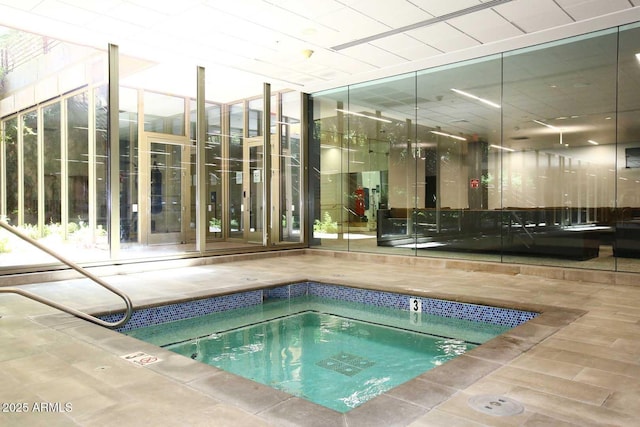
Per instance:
(249,9)
(534,15)
(373,55)
(59,11)
(585,9)
(116,29)
(443,37)
(406,47)
(351,24)
(439,8)
(197,18)
(310,9)
(398,13)
(22,5)
(170,7)
(97,6)
(485,26)
(137,15)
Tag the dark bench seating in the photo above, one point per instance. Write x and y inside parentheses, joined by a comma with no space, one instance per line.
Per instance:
(510,231)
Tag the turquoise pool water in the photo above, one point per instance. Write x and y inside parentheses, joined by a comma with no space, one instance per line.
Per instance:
(334,353)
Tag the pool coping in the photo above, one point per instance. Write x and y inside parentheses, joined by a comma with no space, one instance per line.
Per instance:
(410,400)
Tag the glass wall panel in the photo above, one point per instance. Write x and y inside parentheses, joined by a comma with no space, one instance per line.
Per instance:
(290,169)
(255,117)
(379,183)
(559,152)
(163,93)
(328,167)
(52,164)
(30,170)
(164,113)
(459,129)
(129,161)
(10,145)
(48,146)
(214,170)
(235,176)
(78,159)
(626,243)
(524,157)
(101,167)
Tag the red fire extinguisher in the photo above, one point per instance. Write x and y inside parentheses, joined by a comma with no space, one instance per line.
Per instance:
(359,208)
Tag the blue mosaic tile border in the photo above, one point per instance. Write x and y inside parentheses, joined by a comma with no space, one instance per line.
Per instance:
(452,309)
(184,310)
(444,308)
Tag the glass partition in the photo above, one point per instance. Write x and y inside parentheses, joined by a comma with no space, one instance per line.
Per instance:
(382,159)
(329,136)
(214,171)
(56,159)
(52,164)
(459,130)
(157,205)
(101,136)
(164,113)
(129,161)
(236,206)
(10,148)
(290,170)
(49,153)
(626,240)
(559,152)
(529,157)
(28,216)
(78,160)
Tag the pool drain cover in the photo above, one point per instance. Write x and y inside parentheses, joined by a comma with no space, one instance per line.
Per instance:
(346,364)
(496,405)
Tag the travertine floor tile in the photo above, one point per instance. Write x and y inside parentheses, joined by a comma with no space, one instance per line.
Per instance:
(578,364)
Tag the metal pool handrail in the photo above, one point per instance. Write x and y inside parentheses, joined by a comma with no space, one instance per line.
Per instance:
(81,270)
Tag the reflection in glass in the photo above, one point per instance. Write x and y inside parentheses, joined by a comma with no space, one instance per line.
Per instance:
(512,157)
(78,159)
(255,116)
(167,171)
(236,193)
(626,242)
(164,113)
(52,164)
(10,145)
(459,119)
(128,131)
(30,168)
(329,137)
(291,203)
(255,196)
(101,141)
(558,187)
(214,169)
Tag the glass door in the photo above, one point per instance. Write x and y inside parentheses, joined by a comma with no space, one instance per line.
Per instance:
(168,193)
(253,171)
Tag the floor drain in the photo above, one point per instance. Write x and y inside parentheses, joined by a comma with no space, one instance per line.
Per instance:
(496,405)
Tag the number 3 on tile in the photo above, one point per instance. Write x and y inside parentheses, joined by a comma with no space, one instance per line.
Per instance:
(415,305)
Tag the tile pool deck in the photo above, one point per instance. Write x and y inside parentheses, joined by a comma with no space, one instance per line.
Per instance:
(576,364)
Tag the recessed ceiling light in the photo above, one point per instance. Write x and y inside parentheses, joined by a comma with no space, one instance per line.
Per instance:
(477,98)
(591,141)
(459,138)
(379,119)
(501,148)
